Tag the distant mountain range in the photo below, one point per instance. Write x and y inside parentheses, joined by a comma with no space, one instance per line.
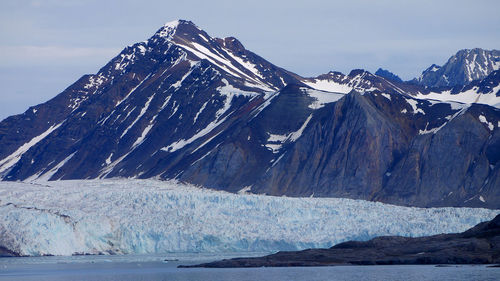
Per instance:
(461,69)
(208,111)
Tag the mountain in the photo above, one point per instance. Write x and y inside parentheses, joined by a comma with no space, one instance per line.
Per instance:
(132,104)
(478,245)
(461,69)
(183,105)
(388,75)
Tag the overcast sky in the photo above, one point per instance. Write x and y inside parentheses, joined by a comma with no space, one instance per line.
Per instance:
(45,45)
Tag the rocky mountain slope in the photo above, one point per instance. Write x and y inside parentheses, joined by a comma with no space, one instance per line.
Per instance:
(207,111)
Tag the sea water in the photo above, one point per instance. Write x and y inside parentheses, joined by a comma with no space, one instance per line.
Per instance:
(164,267)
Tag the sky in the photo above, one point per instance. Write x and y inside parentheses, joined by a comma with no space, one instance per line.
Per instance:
(46,45)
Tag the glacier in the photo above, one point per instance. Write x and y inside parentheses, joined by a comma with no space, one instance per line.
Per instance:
(132,216)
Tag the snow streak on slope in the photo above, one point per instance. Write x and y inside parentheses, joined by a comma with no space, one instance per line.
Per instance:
(147,216)
(275,141)
(216,59)
(12,159)
(209,128)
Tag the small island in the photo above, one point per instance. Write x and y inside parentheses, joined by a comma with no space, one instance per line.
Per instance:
(478,245)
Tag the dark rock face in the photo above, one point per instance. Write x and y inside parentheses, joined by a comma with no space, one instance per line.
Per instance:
(478,245)
(461,69)
(4,252)
(207,111)
(355,148)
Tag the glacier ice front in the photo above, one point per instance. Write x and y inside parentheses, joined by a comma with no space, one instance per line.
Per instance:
(149,216)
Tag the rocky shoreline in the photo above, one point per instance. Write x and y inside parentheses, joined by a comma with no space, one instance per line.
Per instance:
(478,245)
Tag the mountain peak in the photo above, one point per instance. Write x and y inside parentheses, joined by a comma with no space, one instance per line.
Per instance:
(170,28)
(176,23)
(172,24)
(359,71)
(462,68)
(388,75)
(472,51)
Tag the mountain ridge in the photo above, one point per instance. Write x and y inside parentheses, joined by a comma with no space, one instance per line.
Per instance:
(207,111)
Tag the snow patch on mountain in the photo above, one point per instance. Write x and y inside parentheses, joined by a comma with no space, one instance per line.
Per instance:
(329,86)
(229,89)
(143,135)
(276,141)
(206,130)
(246,64)
(13,158)
(297,134)
(200,111)
(427,130)
(461,109)
(44,176)
(95,81)
(169,29)
(490,125)
(178,84)
(473,95)
(321,97)
(141,113)
(414,105)
(216,59)
(133,89)
(387,96)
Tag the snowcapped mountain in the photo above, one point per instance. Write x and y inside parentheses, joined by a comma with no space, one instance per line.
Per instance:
(461,69)
(207,111)
(135,100)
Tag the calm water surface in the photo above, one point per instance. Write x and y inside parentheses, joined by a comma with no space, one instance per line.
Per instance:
(154,267)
